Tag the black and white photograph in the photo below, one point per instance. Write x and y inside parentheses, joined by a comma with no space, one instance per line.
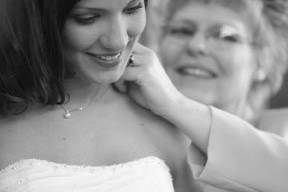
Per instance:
(143,96)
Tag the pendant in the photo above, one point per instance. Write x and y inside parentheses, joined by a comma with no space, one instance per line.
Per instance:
(67,115)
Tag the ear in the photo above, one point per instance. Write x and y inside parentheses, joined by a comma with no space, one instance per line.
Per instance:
(260,73)
(263,59)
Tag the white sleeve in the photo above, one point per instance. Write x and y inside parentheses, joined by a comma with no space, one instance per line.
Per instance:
(242,158)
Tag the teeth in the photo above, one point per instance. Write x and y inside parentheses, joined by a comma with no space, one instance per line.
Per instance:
(199,72)
(196,72)
(109,58)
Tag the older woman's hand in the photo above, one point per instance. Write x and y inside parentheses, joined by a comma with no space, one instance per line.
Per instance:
(147,83)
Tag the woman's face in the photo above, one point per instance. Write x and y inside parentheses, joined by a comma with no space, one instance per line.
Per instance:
(99,36)
(208,54)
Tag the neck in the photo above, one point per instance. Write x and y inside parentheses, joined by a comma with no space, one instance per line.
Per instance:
(83,93)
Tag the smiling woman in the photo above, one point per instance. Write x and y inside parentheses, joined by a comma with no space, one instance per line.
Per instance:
(234,60)
(96,36)
(59,108)
(231,55)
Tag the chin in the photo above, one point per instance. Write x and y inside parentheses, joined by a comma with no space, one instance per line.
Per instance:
(108,79)
(103,77)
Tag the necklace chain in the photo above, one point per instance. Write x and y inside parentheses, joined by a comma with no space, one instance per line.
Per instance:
(68,112)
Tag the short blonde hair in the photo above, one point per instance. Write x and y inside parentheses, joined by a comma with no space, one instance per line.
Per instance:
(269,26)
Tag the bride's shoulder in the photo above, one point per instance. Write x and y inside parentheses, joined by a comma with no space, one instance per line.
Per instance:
(143,114)
(14,131)
(13,122)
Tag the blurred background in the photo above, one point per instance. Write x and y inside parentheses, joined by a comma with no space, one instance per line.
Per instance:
(281,99)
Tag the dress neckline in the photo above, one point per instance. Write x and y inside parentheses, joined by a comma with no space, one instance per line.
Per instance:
(41,162)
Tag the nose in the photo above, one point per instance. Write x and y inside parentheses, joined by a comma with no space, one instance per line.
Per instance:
(197,45)
(115,37)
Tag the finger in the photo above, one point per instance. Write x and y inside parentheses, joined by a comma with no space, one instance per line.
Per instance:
(127,52)
(139,47)
(131,73)
(120,86)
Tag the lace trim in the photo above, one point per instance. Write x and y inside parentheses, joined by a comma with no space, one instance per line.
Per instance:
(26,163)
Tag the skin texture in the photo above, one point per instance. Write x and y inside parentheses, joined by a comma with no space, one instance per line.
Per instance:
(210,59)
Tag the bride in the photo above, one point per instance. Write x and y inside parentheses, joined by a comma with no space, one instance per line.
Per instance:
(59,110)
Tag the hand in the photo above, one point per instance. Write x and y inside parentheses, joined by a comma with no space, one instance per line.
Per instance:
(147,83)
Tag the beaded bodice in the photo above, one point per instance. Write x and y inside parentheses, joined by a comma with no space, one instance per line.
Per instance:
(33,175)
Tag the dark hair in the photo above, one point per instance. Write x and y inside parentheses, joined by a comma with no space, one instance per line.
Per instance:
(32,67)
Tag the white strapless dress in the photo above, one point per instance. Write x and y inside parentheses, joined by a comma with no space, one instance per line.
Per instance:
(149,174)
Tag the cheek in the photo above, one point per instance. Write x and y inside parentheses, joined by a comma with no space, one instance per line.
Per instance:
(236,61)
(136,24)
(79,37)
(244,62)
(238,66)
(171,51)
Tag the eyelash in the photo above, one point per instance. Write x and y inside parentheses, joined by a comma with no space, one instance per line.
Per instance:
(187,32)
(90,19)
(134,9)
(182,31)
(85,20)
(231,38)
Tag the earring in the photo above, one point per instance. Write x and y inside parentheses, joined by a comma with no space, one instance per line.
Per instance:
(131,62)
(260,75)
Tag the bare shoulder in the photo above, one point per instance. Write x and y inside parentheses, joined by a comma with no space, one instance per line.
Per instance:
(160,132)
(10,134)
(24,121)
(10,125)
(275,121)
(17,135)
(151,121)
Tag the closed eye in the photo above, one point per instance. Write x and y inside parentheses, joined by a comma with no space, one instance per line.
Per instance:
(182,31)
(133,9)
(231,38)
(86,19)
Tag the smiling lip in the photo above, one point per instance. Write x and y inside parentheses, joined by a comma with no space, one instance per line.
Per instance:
(196,71)
(107,61)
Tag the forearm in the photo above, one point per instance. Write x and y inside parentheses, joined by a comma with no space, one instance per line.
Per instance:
(193,118)
(240,157)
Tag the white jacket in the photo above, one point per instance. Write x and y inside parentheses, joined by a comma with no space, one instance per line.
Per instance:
(242,158)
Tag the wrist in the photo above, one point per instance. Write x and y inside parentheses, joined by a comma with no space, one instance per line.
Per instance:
(193,118)
(182,107)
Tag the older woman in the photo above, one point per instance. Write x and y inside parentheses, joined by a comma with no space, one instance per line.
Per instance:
(232,54)
(234,60)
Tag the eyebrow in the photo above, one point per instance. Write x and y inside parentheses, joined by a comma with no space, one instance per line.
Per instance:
(89,9)
(101,9)
(184,21)
(132,1)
